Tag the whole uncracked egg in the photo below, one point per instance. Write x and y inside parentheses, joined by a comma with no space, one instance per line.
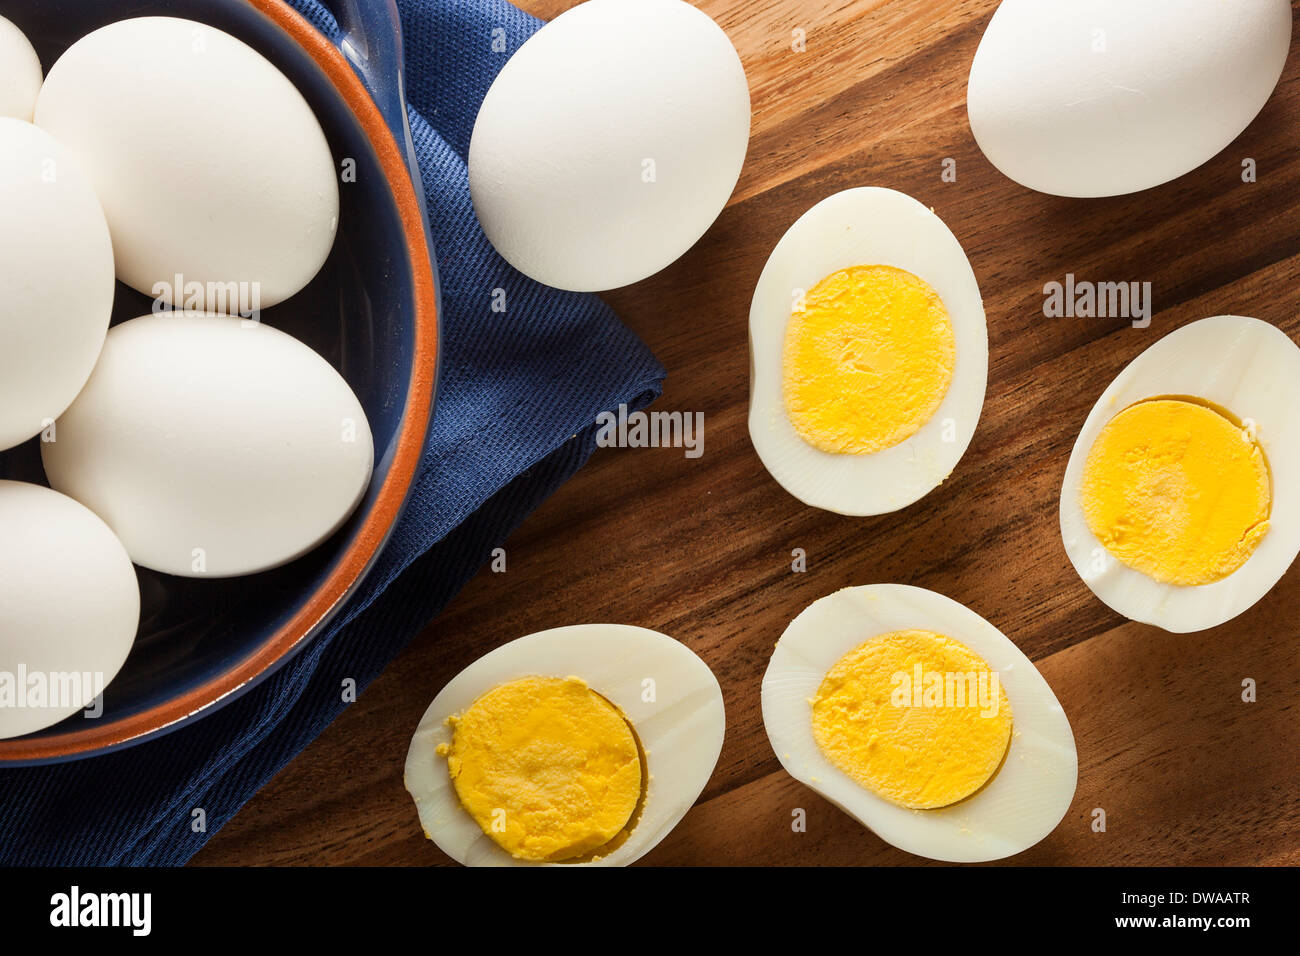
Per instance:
(609,142)
(56,279)
(21,72)
(69,607)
(208,161)
(212,446)
(1107,97)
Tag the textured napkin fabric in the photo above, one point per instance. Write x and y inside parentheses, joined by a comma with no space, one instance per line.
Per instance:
(517,403)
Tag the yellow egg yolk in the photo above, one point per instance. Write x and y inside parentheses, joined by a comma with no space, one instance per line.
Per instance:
(914,716)
(548,768)
(1178,491)
(868,359)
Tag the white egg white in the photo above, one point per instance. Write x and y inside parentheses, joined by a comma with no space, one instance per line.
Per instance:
(1019,806)
(865,226)
(666,692)
(1249,368)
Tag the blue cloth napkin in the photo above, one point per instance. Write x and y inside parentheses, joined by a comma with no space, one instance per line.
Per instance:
(517,403)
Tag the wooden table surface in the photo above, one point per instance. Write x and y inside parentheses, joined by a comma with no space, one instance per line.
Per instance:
(700,549)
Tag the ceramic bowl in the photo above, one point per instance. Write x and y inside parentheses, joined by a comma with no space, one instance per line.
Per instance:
(372,312)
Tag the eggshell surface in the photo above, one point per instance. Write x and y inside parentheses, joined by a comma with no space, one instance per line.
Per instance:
(56,279)
(212,446)
(1251,369)
(1106,97)
(209,163)
(865,226)
(20,73)
(69,606)
(680,726)
(1025,799)
(609,142)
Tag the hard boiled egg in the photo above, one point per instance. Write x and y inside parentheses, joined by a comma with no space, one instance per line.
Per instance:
(212,446)
(56,279)
(213,171)
(1105,97)
(1178,506)
(577,745)
(20,73)
(609,142)
(869,354)
(923,721)
(69,607)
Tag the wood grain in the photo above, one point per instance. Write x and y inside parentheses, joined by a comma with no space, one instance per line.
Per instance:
(700,549)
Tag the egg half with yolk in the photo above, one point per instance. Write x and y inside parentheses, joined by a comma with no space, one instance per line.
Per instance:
(1176,507)
(573,746)
(869,354)
(921,720)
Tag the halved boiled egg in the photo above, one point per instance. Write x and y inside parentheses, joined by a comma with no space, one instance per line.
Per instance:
(1177,507)
(869,354)
(923,721)
(577,745)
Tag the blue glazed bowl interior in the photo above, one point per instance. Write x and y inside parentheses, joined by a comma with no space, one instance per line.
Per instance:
(359,313)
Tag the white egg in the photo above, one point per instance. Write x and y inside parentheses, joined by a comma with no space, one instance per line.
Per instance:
(668,695)
(1106,97)
(69,607)
(56,279)
(211,445)
(1020,805)
(210,165)
(865,226)
(20,73)
(609,142)
(1249,368)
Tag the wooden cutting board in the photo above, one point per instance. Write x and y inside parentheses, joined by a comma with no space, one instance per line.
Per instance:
(701,549)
